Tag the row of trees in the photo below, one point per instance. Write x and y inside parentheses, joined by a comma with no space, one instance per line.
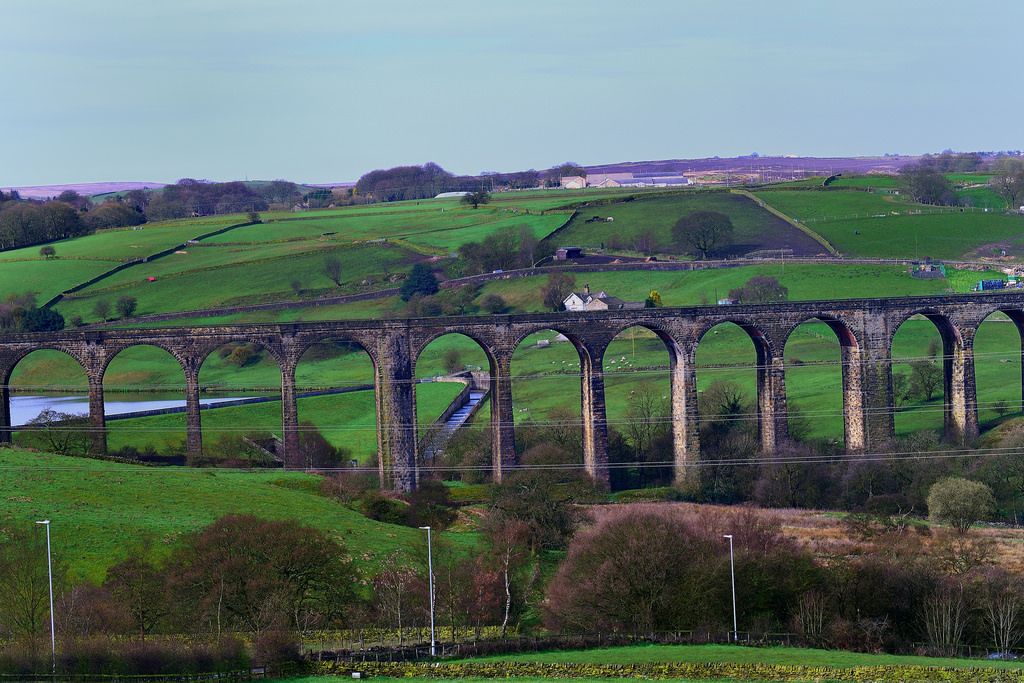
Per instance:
(662,568)
(21,313)
(426,181)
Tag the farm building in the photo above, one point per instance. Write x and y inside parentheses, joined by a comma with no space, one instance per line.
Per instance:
(655,181)
(599,301)
(451,195)
(572,182)
(564,253)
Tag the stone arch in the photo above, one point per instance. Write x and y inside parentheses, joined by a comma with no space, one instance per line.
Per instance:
(592,403)
(654,406)
(472,388)
(161,440)
(219,423)
(849,362)
(990,353)
(205,350)
(112,351)
(8,416)
(758,336)
(333,375)
(770,390)
(959,405)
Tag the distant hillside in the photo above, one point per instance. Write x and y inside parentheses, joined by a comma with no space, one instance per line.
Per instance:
(85,189)
(782,164)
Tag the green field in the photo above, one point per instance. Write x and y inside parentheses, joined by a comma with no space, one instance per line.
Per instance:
(884,226)
(266,277)
(754,227)
(346,420)
(640,654)
(102,511)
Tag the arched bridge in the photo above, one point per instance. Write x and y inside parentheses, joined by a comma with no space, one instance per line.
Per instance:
(864,328)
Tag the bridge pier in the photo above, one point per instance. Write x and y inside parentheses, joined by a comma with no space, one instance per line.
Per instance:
(290,438)
(503,433)
(595,420)
(961,417)
(396,415)
(193,418)
(685,416)
(771,400)
(6,433)
(97,414)
(876,382)
(854,427)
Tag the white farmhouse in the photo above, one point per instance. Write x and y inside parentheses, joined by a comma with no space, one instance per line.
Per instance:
(597,301)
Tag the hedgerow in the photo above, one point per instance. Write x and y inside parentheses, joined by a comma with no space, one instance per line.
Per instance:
(666,671)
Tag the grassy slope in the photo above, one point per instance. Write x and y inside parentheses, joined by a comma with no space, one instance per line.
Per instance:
(346,420)
(738,654)
(82,258)
(101,511)
(754,228)
(265,279)
(876,225)
(291,248)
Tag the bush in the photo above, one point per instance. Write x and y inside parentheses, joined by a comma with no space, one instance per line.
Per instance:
(493,303)
(382,509)
(277,647)
(960,502)
(421,281)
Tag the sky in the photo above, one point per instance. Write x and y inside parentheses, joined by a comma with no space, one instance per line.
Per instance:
(325,90)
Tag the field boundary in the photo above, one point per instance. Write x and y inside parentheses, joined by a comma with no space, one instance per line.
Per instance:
(539,271)
(134,262)
(671,670)
(820,239)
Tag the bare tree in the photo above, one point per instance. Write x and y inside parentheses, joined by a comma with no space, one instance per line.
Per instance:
(1002,609)
(332,269)
(557,288)
(811,617)
(703,231)
(945,615)
(1009,182)
(392,587)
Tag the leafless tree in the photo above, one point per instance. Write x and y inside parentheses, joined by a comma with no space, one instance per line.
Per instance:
(945,614)
(332,269)
(1002,609)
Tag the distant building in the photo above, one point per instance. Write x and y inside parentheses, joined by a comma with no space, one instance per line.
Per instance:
(451,195)
(607,179)
(572,182)
(564,253)
(599,301)
(655,181)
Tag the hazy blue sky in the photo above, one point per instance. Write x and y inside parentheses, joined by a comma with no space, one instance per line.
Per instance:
(323,91)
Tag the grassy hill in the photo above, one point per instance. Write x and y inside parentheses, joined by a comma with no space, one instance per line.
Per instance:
(877,225)
(754,228)
(101,511)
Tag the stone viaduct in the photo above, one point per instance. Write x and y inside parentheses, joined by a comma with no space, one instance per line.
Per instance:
(863,327)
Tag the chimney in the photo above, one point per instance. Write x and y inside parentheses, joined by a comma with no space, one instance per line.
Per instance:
(586,288)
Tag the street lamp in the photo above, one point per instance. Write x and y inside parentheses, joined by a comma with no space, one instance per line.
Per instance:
(732,572)
(49,571)
(430,572)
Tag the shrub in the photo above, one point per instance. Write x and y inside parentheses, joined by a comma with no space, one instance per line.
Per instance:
(493,303)
(960,502)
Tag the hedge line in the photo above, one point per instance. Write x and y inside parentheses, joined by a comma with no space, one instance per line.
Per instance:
(665,671)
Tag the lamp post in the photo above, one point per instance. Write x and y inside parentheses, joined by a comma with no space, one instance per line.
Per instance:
(49,571)
(732,573)
(430,574)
